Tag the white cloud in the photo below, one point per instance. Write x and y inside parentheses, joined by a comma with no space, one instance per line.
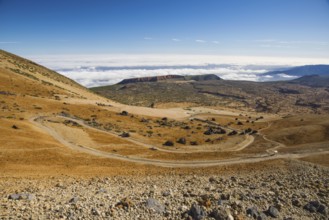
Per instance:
(283,75)
(175,39)
(90,77)
(148,38)
(200,41)
(97,70)
(215,42)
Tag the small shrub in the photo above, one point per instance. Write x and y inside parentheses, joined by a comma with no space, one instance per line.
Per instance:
(124,134)
(124,113)
(181,140)
(168,143)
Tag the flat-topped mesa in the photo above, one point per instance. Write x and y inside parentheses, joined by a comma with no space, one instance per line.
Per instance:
(203,77)
(170,78)
(151,79)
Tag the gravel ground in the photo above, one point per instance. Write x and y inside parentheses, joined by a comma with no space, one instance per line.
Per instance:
(299,193)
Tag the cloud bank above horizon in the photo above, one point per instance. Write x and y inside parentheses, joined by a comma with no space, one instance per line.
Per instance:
(108,69)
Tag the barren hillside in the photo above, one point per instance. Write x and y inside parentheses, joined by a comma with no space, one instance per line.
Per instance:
(297,96)
(58,138)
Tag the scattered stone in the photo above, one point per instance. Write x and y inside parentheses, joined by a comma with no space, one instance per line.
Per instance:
(125,203)
(166,193)
(296,202)
(101,191)
(60,185)
(221,214)
(316,206)
(14,196)
(253,212)
(273,212)
(212,180)
(21,196)
(155,205)
(205,201)
(74,200)
(225,196)
(261,216)
(322,209)
(94,211)
(196,212)
(195,196)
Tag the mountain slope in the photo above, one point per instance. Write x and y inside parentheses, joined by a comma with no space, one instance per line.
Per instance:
(302,71)
(20,69)
(29,91)
(313,80)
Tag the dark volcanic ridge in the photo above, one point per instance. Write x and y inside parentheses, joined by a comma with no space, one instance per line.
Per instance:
(171,78)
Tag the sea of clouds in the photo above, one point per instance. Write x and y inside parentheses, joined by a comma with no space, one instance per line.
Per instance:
(105,69)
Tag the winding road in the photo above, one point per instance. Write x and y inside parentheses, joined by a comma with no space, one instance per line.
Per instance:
(38,122)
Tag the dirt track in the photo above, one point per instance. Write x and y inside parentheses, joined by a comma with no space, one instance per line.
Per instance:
(37,121)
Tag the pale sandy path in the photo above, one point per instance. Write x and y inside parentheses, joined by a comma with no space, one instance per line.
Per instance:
(163,163)
(249,140)
(278,145)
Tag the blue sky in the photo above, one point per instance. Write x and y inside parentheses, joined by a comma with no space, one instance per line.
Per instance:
(293,28)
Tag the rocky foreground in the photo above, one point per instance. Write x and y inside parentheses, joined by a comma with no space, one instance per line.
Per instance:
(298,193)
